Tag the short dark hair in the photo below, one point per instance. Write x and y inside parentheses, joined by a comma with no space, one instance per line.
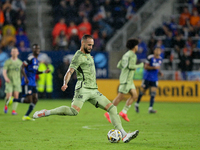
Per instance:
(34,45)
(86,36)
(131,43)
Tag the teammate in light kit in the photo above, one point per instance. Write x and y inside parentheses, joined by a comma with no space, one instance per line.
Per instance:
(86,89)
(127,65)
(11,74)
(152,71)
(29,70)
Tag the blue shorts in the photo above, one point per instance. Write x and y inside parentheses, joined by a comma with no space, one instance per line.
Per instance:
(146,84)
(28,90)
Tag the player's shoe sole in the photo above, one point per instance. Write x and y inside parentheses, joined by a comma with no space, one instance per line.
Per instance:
(130,136)
(27,118)
(152,111)
(39,114)
(107,116)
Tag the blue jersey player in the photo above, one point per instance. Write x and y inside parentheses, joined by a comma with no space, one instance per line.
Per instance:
(29,70)
(152,67)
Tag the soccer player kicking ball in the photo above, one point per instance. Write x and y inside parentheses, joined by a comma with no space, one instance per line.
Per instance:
(152,67)
(86,89)
(29,91)
(127,65)
(11,74)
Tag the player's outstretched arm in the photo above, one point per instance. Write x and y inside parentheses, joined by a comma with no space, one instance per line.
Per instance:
(134,66)
(67,77)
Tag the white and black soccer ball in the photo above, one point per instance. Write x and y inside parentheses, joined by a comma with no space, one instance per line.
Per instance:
(114,136)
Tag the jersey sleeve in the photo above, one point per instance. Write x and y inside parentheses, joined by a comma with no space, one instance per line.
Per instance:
(27,61)
(5,67)
(76,61)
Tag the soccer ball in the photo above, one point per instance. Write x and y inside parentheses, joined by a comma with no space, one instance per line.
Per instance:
(114,136)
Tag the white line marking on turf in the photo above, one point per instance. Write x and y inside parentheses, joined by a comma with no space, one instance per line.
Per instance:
(86,127)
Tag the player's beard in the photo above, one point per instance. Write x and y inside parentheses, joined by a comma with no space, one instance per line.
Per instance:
(86,50)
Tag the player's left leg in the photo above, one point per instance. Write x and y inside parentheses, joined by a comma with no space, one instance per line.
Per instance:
(153,94)
(15,104)
(9,94)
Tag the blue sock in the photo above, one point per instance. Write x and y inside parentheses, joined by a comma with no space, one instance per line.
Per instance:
(153,94)
(30,109)
(151,101)
(139,97)
(19,100)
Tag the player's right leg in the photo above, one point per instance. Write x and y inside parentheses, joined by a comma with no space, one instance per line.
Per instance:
(6,102)
(116,101)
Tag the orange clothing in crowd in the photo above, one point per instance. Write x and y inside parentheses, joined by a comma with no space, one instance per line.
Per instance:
(84,28)
(194,20)
(183,18)
(7,40)
(72,29)
(1,18)
(57,28)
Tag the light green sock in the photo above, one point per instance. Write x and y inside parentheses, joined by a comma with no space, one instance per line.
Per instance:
(126,108)
(14,105)
(63,110)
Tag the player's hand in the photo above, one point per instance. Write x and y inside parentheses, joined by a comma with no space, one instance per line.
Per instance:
(7,80)
(26,80)
(141,64)
(47,71)
(64,87)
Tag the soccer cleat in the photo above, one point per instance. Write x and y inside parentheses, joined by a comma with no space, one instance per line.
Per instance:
(130,136)
(14,112)
(39,114)
(27,118)
(136,108)
(107,116)
(124,116)
(5,109)
(9,101)
(152,111)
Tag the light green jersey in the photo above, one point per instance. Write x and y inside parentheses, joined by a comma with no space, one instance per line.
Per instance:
(85,70)
(127,66)
(13,70)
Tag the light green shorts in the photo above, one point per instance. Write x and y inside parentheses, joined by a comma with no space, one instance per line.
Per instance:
(125,88)
(91,95)
(10,87)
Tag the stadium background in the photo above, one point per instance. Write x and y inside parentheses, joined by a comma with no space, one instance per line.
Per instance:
(111,23)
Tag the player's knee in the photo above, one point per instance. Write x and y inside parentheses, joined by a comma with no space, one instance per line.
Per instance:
(153,93)
(112,109)
(35,100)
(74,111)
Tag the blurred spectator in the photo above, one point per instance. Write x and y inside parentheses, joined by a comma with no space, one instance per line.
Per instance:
(59,27)
(72,14)
(2,20)
(20,26)
(74,42)
(118,13)
(173,26)
(86,7)
(130,8)
(98,42)
(105,12)
(151,44)
(22,37)
(105,27)
(8,40)
(18,5)
(195,18)
(186,63)
(6,5)
(178,43)
(142,49)
(3,57)
(9,16)
(61,41)
(9,27)
(60,11)
(72,28)
(84,28)
(22,47)
(184,15)
(21,16)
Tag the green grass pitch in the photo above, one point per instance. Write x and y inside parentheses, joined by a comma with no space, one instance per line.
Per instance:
(175,126)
